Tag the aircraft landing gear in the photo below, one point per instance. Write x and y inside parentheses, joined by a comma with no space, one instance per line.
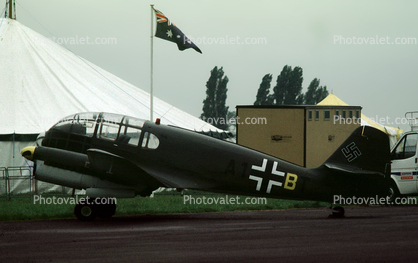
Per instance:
(85,212)
(337,212)
(89,212)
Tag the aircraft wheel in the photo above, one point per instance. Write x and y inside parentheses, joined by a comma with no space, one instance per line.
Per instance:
(338,212)
(85,212)
(106,211)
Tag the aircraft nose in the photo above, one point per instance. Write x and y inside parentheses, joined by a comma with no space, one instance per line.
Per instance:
(28,152)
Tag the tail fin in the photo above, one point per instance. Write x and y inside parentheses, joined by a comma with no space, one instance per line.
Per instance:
(366,151)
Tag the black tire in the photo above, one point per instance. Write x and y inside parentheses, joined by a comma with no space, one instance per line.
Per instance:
(85,212)
(338,212)
(106,211)
(393,193)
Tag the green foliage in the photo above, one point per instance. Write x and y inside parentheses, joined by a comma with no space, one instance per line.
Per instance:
(288,90)
(263,94)
(315,93)
(23,208)
(214,106)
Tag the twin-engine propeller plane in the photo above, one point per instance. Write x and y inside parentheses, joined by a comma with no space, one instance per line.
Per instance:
(118,156)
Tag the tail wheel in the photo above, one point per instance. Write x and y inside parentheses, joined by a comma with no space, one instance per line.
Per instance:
(85,212)
(338,212)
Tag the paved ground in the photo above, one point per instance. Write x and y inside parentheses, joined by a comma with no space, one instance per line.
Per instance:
(366,234)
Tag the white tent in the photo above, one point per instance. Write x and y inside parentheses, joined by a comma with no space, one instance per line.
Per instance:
(42,82)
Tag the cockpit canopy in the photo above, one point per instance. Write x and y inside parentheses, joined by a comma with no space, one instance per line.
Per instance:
(120,129)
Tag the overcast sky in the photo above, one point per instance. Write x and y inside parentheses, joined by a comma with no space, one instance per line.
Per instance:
(365,52)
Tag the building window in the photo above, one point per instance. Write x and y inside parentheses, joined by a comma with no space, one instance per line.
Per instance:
(357,114)
(327,115)
(350,114)
(317,115)
(309,115)
(343,115)
(337,115)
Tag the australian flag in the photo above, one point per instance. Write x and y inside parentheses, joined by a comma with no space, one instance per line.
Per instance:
(168,31)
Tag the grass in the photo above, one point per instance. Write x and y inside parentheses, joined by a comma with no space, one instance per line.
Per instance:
(24,208)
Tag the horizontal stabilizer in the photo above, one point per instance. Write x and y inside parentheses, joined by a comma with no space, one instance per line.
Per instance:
(351,170)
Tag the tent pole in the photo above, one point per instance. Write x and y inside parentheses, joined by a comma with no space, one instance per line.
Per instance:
(10,9)
(11,5)
(152,65)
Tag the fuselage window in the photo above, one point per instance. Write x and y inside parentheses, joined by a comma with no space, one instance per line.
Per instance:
(82,124)
(108,131)
(129,135)
(89,128)
(84,127)
(85,122)
(150,141)
(109,126)
(133,122)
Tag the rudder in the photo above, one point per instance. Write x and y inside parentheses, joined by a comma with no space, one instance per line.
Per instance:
(365,151)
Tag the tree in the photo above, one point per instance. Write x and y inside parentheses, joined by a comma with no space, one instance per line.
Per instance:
(321,93)
(315,93)
(311,92)
(263,97)
(214,109)
(288,89)
(282,83)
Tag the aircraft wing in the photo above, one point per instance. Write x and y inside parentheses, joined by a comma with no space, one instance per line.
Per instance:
(118,168)
(180,179)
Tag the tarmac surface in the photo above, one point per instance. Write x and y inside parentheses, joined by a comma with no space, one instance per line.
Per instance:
(366,234)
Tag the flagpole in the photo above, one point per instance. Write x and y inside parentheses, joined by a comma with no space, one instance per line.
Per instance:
(152,65)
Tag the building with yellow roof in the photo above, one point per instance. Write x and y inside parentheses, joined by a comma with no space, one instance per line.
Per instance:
(393,133)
